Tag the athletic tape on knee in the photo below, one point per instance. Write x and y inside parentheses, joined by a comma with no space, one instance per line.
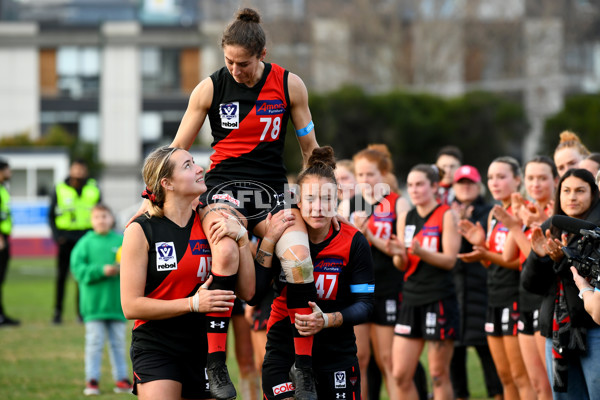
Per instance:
(296,271)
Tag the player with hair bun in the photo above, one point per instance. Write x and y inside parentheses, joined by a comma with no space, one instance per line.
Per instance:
(343,274)
(569,152)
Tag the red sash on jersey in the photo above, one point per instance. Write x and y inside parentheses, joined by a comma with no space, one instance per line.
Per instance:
(192,269)
(381,221)
(429,237)
(327,267)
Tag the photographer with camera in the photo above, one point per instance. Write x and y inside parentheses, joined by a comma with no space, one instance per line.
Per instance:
(572,337)
(589,295)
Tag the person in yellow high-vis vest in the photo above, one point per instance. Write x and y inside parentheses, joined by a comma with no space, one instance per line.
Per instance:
(70,218)
(5,229)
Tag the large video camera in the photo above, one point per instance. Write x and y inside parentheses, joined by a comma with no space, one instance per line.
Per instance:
(584,254)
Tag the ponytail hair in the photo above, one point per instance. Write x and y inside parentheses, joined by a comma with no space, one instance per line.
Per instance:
(321,163)
(245,31)
(570,139)
(157,166)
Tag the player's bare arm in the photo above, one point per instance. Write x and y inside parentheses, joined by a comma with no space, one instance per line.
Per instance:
(300,115)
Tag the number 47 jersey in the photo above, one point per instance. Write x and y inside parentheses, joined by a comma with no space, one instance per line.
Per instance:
(248,127)
(343,273)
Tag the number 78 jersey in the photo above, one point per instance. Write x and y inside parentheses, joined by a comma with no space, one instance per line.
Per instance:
(248,127)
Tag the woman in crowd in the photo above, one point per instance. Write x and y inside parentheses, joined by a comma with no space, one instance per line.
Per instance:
(541,177)
(344,175)
(569,152)
(343,274)
(425,249)
(165,266)
(591,163)
(374,211)
(504,179)
(470,279)
(572,337)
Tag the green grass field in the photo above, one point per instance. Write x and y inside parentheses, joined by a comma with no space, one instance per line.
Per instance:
(39,360)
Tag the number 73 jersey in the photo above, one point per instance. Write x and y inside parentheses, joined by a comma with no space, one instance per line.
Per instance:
(248,127)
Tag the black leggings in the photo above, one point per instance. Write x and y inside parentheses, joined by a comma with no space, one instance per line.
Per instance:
(458,371)
(63,264)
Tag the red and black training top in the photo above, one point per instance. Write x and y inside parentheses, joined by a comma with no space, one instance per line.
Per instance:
(426,283)
(343,274)
(248,126)
(179,261)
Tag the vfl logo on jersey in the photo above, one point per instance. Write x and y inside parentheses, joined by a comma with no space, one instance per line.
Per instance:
(166,259)
(230,115)
(409,234)
(339,378)
(200,247)
(269,107)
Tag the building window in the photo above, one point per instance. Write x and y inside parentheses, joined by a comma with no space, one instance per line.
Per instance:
(160,71)
(78,71)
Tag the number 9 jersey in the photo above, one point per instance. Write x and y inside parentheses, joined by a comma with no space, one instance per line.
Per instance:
(248,126)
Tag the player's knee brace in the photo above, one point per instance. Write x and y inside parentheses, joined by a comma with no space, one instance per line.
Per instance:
(296,270)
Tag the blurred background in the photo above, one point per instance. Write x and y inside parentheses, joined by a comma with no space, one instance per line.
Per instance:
(109,80)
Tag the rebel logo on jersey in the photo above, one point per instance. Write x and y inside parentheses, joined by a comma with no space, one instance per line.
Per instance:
(230,115)
(166,259)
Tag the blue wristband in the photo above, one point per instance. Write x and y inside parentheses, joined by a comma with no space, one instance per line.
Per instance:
(306,130)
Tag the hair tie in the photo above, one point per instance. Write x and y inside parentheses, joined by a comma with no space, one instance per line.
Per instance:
(147,194)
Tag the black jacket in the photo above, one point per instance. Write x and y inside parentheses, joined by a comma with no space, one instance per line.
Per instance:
(540,275)
(470,280)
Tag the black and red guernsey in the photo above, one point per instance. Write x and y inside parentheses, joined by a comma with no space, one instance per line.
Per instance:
(382,224)
(179,261)
(426,283)
(343,273)
(248,127)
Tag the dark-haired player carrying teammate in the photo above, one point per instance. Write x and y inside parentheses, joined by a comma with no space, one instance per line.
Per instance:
(343,275)
(248,103)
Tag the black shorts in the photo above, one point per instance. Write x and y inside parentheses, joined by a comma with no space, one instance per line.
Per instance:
(434,321)
(238,307)
(252,199)
(385,311)
(190,371)
(341,383)
(528,323)
(502,321)
(262,311)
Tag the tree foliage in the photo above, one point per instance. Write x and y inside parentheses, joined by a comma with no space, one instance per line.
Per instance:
(581,114)
(58,136)
(415,126)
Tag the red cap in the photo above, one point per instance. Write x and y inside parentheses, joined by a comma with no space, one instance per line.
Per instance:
(467,172)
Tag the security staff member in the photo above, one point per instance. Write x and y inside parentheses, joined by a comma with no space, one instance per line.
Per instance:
(5,229)
(69,218)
